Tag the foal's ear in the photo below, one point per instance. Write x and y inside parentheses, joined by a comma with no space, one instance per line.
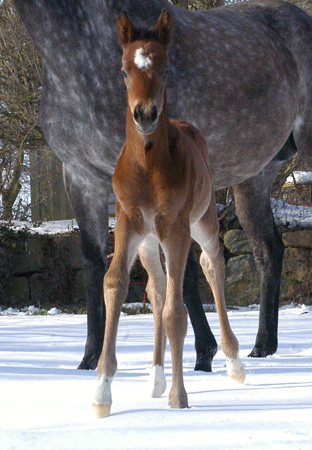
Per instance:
(163,28)
(125,29)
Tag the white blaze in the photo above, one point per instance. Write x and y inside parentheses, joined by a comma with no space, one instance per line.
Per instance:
(141,60)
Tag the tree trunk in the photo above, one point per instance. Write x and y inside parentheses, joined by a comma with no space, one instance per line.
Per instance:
(48,196)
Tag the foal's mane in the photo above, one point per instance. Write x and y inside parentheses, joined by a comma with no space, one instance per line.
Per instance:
(144,34)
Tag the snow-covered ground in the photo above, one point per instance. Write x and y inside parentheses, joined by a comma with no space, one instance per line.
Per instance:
(284,214)
(46,403)
(299,177)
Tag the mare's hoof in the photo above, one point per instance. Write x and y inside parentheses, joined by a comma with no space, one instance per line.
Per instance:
(88,363)
(101,411)
(204,360)
(258,352)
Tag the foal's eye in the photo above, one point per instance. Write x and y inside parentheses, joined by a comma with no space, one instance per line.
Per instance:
(124,73)
(165,74)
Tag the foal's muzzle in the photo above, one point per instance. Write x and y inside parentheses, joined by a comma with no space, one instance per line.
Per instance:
(146,119)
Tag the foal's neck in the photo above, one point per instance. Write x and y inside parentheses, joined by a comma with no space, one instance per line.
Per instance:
(151,151)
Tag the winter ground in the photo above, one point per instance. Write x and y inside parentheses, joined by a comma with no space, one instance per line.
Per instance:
(46,403)
(284,214)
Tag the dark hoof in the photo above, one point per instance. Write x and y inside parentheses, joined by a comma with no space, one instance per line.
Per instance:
(88,363)
(261,352)
(204,360)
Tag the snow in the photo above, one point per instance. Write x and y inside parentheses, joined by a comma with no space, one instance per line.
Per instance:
(301,177)
(291,216)
(284,214)
(46,402)
(48,227)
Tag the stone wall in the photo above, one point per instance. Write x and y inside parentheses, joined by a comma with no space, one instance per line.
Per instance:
(48,270)
(40,269)
(242,281)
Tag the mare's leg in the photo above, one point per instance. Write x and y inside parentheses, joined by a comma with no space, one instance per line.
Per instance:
(176,247)
(252,200)
(116,282)
(90,205)
(205,344)
(156,291)
(206,233)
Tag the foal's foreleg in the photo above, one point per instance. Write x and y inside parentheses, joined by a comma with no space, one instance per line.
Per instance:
(116,282)
(212,262)
(174,315)
(156,291)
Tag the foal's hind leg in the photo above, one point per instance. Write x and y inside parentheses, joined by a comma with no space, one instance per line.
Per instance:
(156,291)
(205,232)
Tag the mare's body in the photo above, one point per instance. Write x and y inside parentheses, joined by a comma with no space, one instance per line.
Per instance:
(242,75)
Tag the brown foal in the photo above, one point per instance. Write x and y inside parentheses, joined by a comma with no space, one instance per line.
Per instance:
(164,195)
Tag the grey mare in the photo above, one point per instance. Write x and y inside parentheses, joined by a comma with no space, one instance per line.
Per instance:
(242,74)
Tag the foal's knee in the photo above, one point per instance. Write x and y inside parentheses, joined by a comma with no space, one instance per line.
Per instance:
(116,282)
(213,267)
(175,321)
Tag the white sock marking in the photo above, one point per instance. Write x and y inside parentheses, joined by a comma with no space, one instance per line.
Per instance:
(157,381)
(103,395)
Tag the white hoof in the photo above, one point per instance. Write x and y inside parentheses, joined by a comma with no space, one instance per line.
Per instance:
(101,411)
(103,397)
(236,370)
(157,382)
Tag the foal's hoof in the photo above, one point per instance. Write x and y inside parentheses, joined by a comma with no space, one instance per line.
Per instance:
(241,378)
(101,411)
(236,370)
(178,401)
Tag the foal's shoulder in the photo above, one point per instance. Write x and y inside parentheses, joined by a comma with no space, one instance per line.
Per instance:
(186,127)
(191,131)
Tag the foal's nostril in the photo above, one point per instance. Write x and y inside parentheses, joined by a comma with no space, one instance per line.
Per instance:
(142,115)
(153,113)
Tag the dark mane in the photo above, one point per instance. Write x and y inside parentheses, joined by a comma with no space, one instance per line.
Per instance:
(144,34)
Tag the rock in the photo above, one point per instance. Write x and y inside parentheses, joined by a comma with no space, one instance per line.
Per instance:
(78,285)
(241,281)
(297,264)
(28,255)
(69,247)
(288,291)
(20,288)
(302,238)
(13,290)
(236,242)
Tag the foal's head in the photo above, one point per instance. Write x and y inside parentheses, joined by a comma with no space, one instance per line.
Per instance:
(145,68)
